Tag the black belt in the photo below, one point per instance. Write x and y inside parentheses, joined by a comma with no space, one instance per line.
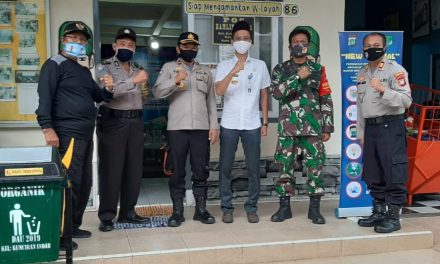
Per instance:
(383,119)
(131,114)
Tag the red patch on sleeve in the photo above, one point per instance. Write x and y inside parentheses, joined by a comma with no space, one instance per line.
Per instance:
(400,78)
(324,87)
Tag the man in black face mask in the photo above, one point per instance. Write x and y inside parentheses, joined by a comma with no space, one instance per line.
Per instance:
(383,95)
(305,122)
(192,124)
(120,131)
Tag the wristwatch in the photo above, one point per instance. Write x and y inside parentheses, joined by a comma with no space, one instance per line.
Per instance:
(265,124)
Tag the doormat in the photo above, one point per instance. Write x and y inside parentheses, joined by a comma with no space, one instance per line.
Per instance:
(423,205)
(158,217)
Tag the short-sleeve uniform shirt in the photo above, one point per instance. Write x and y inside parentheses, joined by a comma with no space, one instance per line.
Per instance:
(241,99)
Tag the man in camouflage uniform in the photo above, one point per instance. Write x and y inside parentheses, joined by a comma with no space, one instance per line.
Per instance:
(305,122)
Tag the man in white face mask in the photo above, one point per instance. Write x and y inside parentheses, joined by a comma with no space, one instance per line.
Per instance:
(243,82)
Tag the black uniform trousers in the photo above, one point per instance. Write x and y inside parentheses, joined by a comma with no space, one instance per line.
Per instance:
(197,143)
(385,159)
(79,174)
(120,158)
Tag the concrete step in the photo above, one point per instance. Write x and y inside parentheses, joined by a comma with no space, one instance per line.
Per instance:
(274,251)
(242,242)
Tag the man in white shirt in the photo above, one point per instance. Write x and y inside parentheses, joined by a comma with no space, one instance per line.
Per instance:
(243,81)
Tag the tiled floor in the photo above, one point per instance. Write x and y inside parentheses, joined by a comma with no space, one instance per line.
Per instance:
(242,242)
(423,205)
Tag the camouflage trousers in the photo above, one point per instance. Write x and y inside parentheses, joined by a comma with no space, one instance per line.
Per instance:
(288,149)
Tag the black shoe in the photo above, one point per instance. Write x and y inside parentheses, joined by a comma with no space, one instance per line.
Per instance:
(175,220)
(177,217)
(377,216)
(201,214)
(136,219)
(79,233)
(284,212)
(391,222)
(63,245)
(106,226)
(314,212)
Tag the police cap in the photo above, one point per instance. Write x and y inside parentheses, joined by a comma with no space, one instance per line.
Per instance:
(188,37)
(126,32)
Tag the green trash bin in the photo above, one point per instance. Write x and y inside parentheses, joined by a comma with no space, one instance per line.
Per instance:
(31,188)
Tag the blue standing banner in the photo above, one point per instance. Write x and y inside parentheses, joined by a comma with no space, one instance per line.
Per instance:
(354,196)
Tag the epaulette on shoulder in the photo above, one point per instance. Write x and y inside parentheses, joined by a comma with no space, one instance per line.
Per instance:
(137,66)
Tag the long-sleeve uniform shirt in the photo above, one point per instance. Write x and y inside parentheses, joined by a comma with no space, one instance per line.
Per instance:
(393,101)
(126,94)
(306,106)
(193,106)
(67,96)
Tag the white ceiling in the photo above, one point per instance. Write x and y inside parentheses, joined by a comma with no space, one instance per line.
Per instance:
(161,19)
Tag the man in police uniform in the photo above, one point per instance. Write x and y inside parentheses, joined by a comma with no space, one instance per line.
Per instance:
(192,124)
(120,135)
(305,122)
(383,95)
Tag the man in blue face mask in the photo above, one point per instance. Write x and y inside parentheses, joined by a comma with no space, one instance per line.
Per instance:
(120,131)
(66,110)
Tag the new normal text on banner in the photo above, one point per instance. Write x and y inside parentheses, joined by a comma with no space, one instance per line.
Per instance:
(354,197)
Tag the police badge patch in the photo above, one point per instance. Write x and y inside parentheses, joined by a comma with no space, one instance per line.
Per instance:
(400,78)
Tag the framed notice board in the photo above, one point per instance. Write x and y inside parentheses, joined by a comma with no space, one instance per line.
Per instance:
(222,28)
(24,47)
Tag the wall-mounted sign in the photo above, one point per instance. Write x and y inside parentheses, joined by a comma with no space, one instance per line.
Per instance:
(24,47)
(242,8)
(222,28)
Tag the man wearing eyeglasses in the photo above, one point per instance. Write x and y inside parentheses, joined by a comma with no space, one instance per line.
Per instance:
(192,124)
(66,110)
